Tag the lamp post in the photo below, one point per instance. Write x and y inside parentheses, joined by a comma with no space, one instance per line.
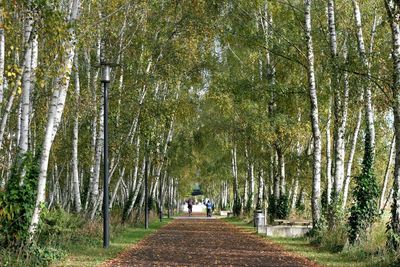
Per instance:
(106,229)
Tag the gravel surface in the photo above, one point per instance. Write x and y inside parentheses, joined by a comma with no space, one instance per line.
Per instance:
(199,242)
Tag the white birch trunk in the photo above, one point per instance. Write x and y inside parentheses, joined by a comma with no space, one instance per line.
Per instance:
(114,194)
(328,153)
(369,112)
(75,170)
(26,83)
(387,172)
(393,11)
(98,155)
(298,172)
(316,185)
(282,173)
(6,113)
(260,189)
(276,177)
(236,197)
(54,115)
(350,159)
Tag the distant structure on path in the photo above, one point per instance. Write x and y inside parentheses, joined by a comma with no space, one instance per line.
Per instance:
(196,191)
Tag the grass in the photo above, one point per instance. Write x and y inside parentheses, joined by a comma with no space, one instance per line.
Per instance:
(357,256)
(93,254)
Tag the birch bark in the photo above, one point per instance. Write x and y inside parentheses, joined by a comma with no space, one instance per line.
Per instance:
(351,158)
(75,171)
(369,112)
(328,153)
(236,198)
(387,172)
(393,10)
(54,114)
(26,81)
(316,185)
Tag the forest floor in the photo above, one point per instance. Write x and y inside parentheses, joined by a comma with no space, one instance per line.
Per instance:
(198,241)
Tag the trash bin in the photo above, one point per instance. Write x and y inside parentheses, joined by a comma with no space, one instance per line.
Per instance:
(258,218)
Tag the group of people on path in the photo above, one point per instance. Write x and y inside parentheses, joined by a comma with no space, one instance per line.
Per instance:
(209,205)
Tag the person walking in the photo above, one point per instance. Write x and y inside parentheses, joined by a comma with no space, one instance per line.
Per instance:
(209,206)
(190,206)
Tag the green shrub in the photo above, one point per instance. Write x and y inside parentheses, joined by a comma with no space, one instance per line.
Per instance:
(237,207)
(278,209)
(364,210)
(283,208)
(17,202)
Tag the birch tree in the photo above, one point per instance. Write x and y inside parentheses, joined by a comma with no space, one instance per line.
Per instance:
(55,112)
(316,185)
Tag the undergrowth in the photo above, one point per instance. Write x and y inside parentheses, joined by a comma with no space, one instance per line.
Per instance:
(59,233)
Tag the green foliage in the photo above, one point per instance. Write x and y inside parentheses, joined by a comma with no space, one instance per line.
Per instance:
(278,209)
(364,210)
(300,205)
(237,207)
(18,201)
(393,226)
(32,255)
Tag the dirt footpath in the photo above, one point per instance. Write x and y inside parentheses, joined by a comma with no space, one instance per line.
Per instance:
(200,242)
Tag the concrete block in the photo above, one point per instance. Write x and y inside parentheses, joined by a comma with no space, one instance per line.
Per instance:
(284,230)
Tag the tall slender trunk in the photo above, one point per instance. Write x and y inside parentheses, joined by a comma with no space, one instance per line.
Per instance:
(282,172)
(260,189)
(116,188)
(75,170)
(316,185)
(236,197)
(328,153)
(54,114)
(276,176)
(393,11)
(249,202)
(387,172)
(351,158)
(98,155)
(26,81)
(340,109)
(6,114)
(369,111)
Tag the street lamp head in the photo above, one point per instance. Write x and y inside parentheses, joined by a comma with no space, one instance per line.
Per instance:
(106,72)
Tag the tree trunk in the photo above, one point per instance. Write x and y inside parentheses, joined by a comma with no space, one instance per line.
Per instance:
(387,172)
(369,112)
(54,114)
(328,154)
(75,170)
(351,158)
(116,188)
(98,155)
(316,184)
(236,198)
(26,82)
(393,10)
(282,172)
(260,189)
(277,191)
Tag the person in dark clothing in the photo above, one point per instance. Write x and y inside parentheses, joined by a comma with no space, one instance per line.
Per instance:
(209,206)
(190,206)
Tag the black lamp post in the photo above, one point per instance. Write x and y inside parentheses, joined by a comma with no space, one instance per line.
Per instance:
(106,222)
